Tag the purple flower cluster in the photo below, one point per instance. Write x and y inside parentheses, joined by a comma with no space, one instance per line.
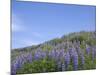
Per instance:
(62,57)
(88,49)
(74,56)
(75,61)
(67,59)
(81,54)
(20,60)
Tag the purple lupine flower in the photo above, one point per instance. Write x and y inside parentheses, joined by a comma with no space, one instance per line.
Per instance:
(67,59)
(58,54)
(43,54)
(37,55)
(13,69)
(29,57)
(62,51)
(82,59)
(61,55)
(13,72)
(88,49)
(18,63)
(74,56)
(71,51)
(52,54)
(75,59)
(80,53)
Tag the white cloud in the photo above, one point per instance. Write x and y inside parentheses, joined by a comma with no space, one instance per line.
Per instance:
(17,25)
(16,28)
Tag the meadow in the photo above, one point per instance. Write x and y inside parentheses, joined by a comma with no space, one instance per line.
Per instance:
(71,52)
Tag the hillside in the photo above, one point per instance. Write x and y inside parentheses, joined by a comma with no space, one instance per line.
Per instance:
(74,51)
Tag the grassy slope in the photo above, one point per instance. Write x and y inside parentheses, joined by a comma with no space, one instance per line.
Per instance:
(88,37)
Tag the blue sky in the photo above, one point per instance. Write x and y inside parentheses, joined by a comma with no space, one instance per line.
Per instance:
(34,23)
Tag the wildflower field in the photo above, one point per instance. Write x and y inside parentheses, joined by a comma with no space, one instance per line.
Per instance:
(72,52)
